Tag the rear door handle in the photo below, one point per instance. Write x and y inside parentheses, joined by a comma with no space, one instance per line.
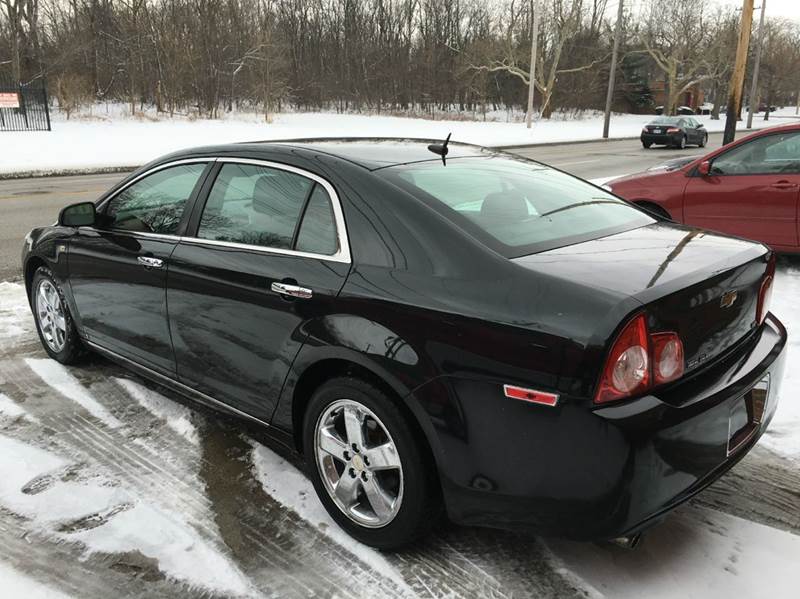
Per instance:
(149,262)
(784,185)
(292,290)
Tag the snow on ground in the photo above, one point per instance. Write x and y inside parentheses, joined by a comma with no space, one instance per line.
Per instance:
(108,518)
(292,489)
(177,417)
(697,553)
(94,142)
(59,377)
(783,434)
(11,410)
(15,313)
(17,584)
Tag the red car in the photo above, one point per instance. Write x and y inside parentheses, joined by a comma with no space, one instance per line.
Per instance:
(748,188)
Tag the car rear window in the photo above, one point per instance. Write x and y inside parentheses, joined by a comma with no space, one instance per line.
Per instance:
(515,206)
(666,120)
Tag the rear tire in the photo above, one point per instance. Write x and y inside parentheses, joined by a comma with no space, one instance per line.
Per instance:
(703,141)
(682,143)
(54,322)
(646,145)
(408,498)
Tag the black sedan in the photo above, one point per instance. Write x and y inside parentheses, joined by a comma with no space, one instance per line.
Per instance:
(487,338)
(674,131)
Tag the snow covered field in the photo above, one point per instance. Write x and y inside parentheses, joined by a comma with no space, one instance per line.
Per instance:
(103,140)
(109,487)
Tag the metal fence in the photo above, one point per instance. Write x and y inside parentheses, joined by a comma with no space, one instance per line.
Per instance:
(23,107)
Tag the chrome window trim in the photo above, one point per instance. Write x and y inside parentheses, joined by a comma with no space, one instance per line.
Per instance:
(145,234)
(151,171)
(342,253)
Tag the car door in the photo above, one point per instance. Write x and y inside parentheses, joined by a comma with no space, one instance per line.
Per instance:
(751,191)
(118,268)
(266,253)
(694,135)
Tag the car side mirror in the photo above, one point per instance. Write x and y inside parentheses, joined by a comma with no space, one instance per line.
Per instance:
(704,168)
(78,215)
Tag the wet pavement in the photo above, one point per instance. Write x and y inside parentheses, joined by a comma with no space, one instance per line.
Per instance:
(113,486)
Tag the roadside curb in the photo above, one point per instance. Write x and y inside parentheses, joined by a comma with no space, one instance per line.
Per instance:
(68,172)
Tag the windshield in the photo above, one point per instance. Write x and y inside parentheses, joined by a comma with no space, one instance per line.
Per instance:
(514,206)
(666,120)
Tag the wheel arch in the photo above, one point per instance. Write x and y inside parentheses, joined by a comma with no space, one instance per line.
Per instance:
(31,265)
(652,206)
(304,381)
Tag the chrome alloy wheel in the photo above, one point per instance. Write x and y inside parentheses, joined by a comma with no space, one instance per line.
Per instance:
(50,314)
(359,463)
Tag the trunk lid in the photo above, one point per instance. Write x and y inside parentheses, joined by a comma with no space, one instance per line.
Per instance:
(702,285)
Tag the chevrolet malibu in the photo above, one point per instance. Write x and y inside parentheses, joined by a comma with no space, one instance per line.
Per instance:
(439,331)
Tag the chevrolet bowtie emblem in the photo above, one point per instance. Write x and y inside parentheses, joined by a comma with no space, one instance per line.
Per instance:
(728,299)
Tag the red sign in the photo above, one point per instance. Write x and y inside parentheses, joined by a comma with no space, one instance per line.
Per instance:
(9,100)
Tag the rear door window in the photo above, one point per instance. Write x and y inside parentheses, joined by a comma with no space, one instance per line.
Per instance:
(268,207)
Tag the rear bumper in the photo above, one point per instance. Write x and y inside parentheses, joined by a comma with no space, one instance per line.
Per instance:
(663,139)
(593,474)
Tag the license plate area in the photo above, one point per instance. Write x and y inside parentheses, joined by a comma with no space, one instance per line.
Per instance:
(747,414)
(656,130)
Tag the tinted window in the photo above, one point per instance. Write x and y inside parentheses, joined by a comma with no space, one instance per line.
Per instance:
(515,206)
(770,154)
(155,203)
(318,232)
(254,205)
(665,120)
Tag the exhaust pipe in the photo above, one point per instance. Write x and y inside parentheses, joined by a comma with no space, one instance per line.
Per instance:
(629,542)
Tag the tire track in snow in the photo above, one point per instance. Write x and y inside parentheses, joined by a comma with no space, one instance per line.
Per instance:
(764,487)
(317,569)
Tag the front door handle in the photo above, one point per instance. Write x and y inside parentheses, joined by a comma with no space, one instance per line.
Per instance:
(292,290)
(784,185)
(149,262)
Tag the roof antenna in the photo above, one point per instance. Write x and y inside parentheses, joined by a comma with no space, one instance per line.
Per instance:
(441,149)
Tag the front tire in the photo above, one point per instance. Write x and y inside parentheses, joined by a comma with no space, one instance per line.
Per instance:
(54,322)
(368,467)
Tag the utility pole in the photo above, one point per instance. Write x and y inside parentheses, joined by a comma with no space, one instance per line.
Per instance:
(613,74)
(532,75)
(754,83)
(737,77)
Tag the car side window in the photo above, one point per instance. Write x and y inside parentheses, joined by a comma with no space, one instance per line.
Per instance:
(155,203)
(770,154)
(260,205)
(317,233)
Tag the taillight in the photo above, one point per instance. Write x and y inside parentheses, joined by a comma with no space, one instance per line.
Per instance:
(639,360)
(668,362)
(627,369)
(644,129)
(765,293)
(673,130)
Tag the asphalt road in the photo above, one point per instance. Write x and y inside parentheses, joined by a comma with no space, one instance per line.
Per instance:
(28,203)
